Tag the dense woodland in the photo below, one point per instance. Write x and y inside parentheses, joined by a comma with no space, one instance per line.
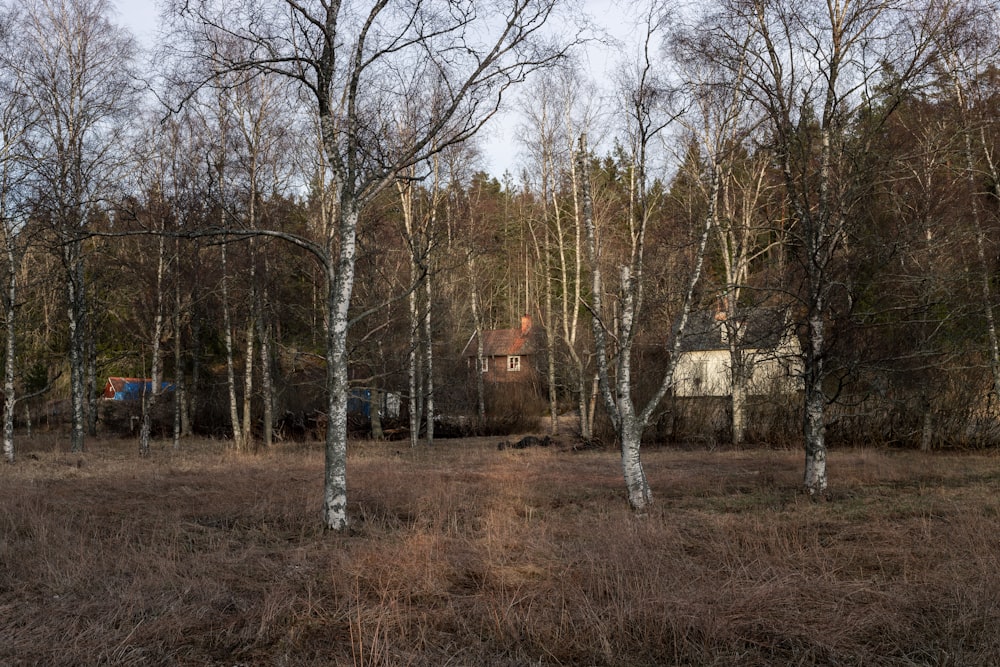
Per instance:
(280,202)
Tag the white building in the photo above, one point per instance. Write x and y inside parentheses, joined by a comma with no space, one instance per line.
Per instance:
(767,341)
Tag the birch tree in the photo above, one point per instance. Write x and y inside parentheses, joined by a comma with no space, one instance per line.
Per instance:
(358,63)
(15,124)
(419,222)
(812,68)
(648,115)
(721,120)
(77,68)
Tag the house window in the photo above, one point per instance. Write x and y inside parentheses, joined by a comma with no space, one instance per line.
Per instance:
(513,363)
(485,368)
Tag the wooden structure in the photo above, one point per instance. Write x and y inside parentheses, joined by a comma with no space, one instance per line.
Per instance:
(770,348)
(509,355)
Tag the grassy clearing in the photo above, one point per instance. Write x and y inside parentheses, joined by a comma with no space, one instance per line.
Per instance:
(463,555)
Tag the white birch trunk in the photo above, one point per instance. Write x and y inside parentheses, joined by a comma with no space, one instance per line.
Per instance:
(550,350)
(76,311)
(571,302)
(227,325)
(411,367)
(178,357)
(740,371)
(10,348)
(190,402)
(414,384)
(815,481)
(246,431)
(149,398)
(640,496)
(340,285)
(429,360)
(629,424)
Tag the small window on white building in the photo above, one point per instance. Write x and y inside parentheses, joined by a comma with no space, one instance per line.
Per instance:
(513,363)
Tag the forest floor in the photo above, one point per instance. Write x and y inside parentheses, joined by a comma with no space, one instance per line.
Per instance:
(464,555)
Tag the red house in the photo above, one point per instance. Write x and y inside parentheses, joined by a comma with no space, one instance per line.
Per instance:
(509,355)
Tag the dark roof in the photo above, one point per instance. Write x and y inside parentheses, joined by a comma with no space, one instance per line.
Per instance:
(504,343)
(757,328)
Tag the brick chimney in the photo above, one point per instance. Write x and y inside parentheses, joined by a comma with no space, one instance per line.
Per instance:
(525,324)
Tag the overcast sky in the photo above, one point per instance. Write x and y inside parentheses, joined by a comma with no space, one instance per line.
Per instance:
(499,144)
(140,16)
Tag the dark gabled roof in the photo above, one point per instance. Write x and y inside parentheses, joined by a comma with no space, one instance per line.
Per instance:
(504,343)
(757,328)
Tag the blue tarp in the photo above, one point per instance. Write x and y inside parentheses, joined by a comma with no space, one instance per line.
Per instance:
(133,391)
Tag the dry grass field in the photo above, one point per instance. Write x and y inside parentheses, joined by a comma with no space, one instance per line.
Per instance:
(463,555)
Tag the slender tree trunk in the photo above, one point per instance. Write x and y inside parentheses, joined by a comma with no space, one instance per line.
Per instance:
(985,273)
(415,384)
(412,365)
(738,403)
(149,398)
(739,374)
(571,303)
(191,402)
(76,311)
(178,357)
(595,390)
(246,432)
(429,359)
(550,348)
(266,380)
(234,411)
(376,414)
(477,324)
(91,388)
(10,349)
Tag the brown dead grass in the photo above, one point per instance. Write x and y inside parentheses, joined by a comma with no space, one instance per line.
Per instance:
(463,555)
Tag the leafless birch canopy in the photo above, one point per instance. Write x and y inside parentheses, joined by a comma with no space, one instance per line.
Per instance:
(398,81)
